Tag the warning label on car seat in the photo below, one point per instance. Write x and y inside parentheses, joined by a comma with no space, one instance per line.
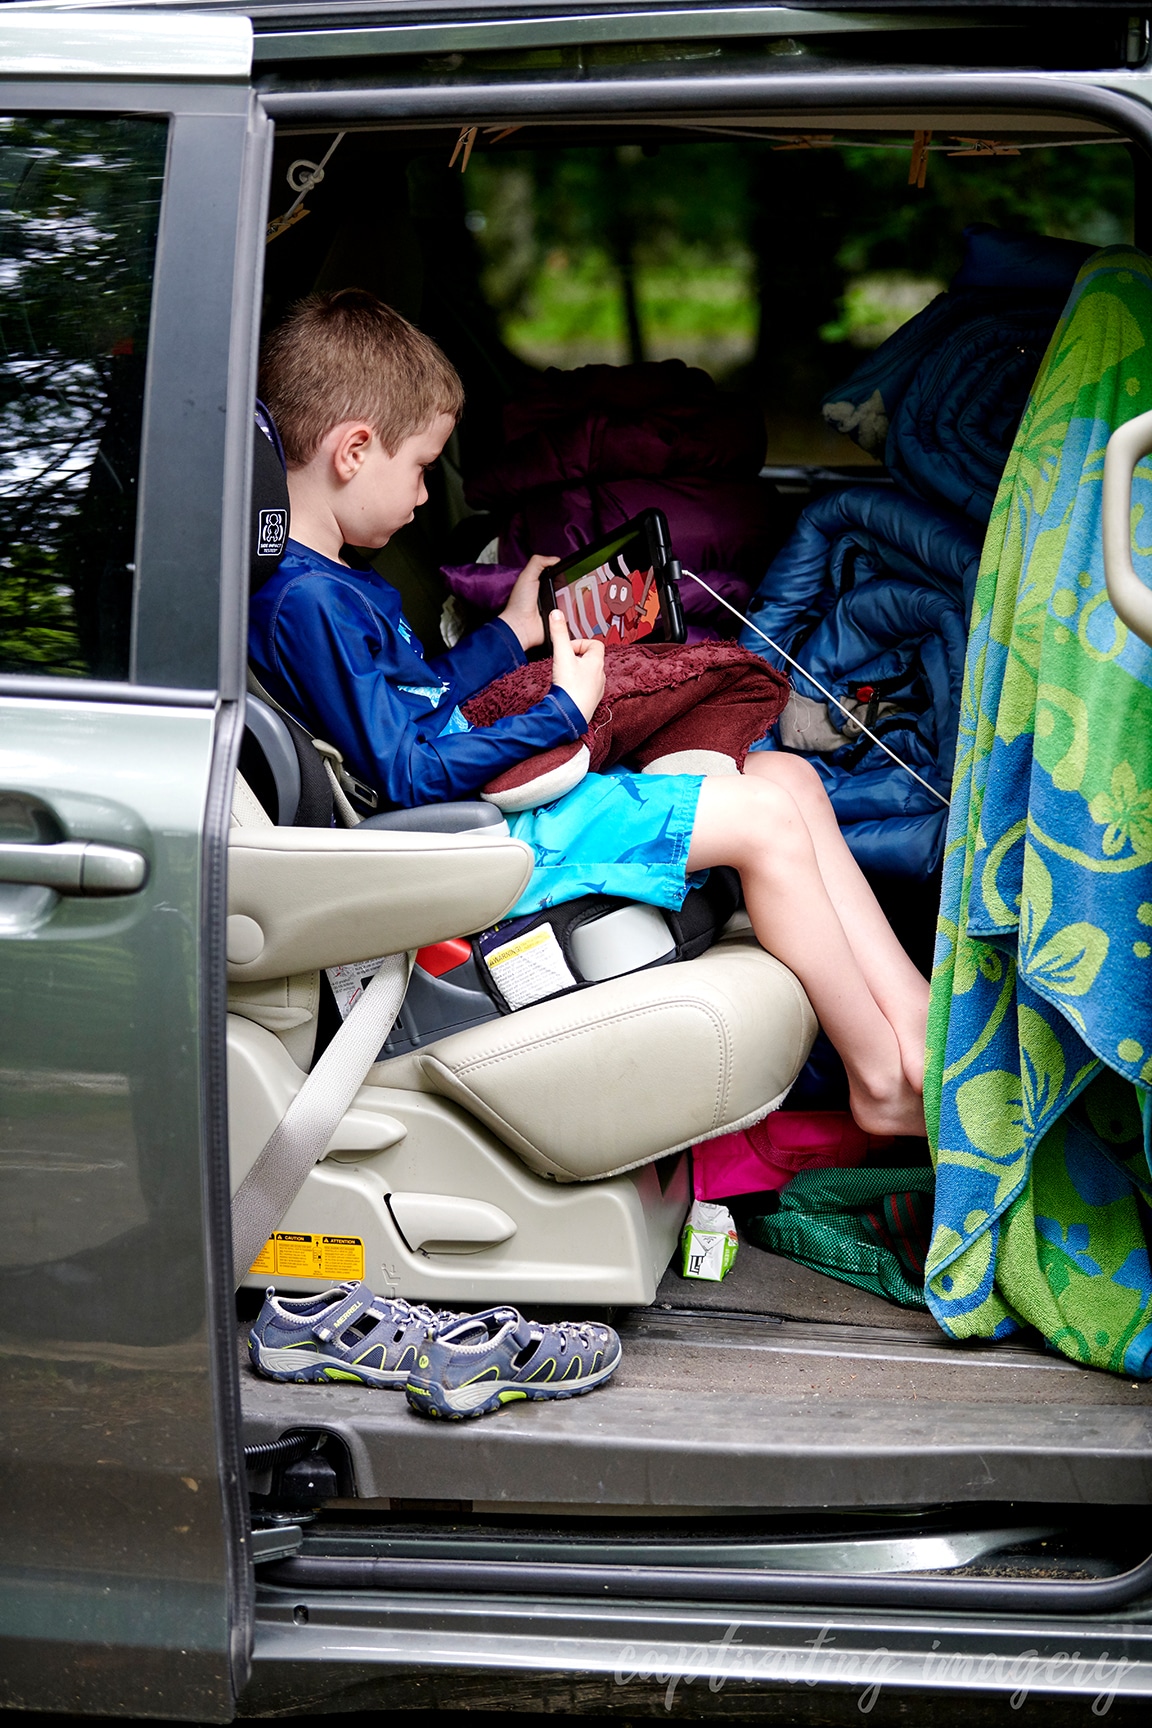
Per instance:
(350,982)
(530,967)
(297,1254)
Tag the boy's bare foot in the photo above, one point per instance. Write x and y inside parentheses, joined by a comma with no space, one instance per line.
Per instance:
(899,1111)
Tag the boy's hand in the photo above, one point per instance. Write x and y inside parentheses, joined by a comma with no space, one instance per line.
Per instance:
(522,613)
(577,667)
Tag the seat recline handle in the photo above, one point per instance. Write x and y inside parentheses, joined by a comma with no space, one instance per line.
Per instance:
(1131,598)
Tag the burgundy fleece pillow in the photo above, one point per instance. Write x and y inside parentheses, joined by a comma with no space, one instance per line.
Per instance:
(659,699)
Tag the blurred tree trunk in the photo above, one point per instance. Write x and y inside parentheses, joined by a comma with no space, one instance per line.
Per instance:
(622,217)
(802,203)
(626,267)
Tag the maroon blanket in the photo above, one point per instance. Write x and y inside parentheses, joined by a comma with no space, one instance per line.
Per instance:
(620,422)
(585,451)
(658,699)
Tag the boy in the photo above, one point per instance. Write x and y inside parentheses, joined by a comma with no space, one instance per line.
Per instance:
(364,404)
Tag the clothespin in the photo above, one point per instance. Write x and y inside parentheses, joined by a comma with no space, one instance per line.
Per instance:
(500,131)
(281,224)
(984,147)
(465,142)
(918,167)
(807,141)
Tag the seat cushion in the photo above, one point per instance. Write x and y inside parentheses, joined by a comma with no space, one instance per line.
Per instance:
(599,1081)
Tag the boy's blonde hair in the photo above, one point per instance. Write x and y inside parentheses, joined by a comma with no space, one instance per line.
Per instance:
(347,356)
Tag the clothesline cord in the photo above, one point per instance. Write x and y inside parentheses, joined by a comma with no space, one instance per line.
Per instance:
(815,682)
(303,184)
(841,143)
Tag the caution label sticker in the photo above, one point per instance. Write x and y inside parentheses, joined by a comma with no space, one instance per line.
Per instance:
(350,982)
(530,967)
(298,1254)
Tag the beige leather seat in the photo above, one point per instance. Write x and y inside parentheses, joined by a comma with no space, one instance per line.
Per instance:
(528,1159)
(597,1083)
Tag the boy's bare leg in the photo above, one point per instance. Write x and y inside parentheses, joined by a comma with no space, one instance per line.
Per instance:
(758,827)
(897,987)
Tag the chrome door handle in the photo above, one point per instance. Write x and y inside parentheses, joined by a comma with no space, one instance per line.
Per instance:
(1131,598)
(74,867)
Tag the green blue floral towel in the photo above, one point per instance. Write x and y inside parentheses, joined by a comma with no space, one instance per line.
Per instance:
(1040,1031)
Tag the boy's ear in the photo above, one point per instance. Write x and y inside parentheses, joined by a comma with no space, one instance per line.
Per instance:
(349,444)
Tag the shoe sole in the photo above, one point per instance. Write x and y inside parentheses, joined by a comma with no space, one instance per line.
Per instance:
(299,1367)
(479,1399)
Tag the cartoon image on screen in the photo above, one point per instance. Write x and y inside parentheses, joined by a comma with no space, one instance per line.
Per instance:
(612,601)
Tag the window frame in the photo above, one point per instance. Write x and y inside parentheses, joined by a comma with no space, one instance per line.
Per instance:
(1120,101)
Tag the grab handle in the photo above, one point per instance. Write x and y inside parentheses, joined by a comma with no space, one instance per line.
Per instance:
(74,867)
(1131,598)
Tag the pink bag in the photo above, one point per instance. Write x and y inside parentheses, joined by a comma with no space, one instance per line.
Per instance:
(769,1154)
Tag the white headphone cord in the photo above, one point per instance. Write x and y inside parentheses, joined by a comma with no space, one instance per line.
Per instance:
(827,694)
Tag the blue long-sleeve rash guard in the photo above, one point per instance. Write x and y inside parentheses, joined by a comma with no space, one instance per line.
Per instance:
(333,647)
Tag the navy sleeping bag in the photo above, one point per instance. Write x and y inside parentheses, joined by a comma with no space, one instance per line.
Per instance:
(941,399)
(872,594)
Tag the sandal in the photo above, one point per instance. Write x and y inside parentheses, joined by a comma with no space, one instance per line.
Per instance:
(345,1333)
(457,1374)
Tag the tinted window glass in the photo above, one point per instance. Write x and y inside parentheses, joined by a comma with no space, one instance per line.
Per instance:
(79,206)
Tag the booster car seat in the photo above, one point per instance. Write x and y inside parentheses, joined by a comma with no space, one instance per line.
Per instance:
(530,1157)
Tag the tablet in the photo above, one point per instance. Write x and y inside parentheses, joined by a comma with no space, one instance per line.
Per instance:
(622,589)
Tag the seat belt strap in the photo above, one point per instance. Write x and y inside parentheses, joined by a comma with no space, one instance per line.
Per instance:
(333,762)
(339,778)
(300,1139)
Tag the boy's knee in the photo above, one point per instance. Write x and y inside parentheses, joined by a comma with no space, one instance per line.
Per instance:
(754,823)
(797,775)
(773,822)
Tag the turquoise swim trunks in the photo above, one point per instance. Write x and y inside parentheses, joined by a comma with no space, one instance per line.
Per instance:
(616,833)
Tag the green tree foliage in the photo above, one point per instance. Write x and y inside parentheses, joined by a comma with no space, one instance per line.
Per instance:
(617,252)
(79,206)
(746,257)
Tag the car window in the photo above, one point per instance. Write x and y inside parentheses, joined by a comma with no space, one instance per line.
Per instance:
(79,208)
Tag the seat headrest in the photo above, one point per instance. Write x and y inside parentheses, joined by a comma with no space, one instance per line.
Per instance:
(270,519)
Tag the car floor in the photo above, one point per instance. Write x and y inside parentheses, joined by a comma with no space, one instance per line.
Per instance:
(774,1326)
(779,1387)
(763,1283)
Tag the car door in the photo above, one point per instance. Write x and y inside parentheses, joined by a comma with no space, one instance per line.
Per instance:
(132,178)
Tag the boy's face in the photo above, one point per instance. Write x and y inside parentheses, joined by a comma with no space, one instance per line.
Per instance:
(382,492)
